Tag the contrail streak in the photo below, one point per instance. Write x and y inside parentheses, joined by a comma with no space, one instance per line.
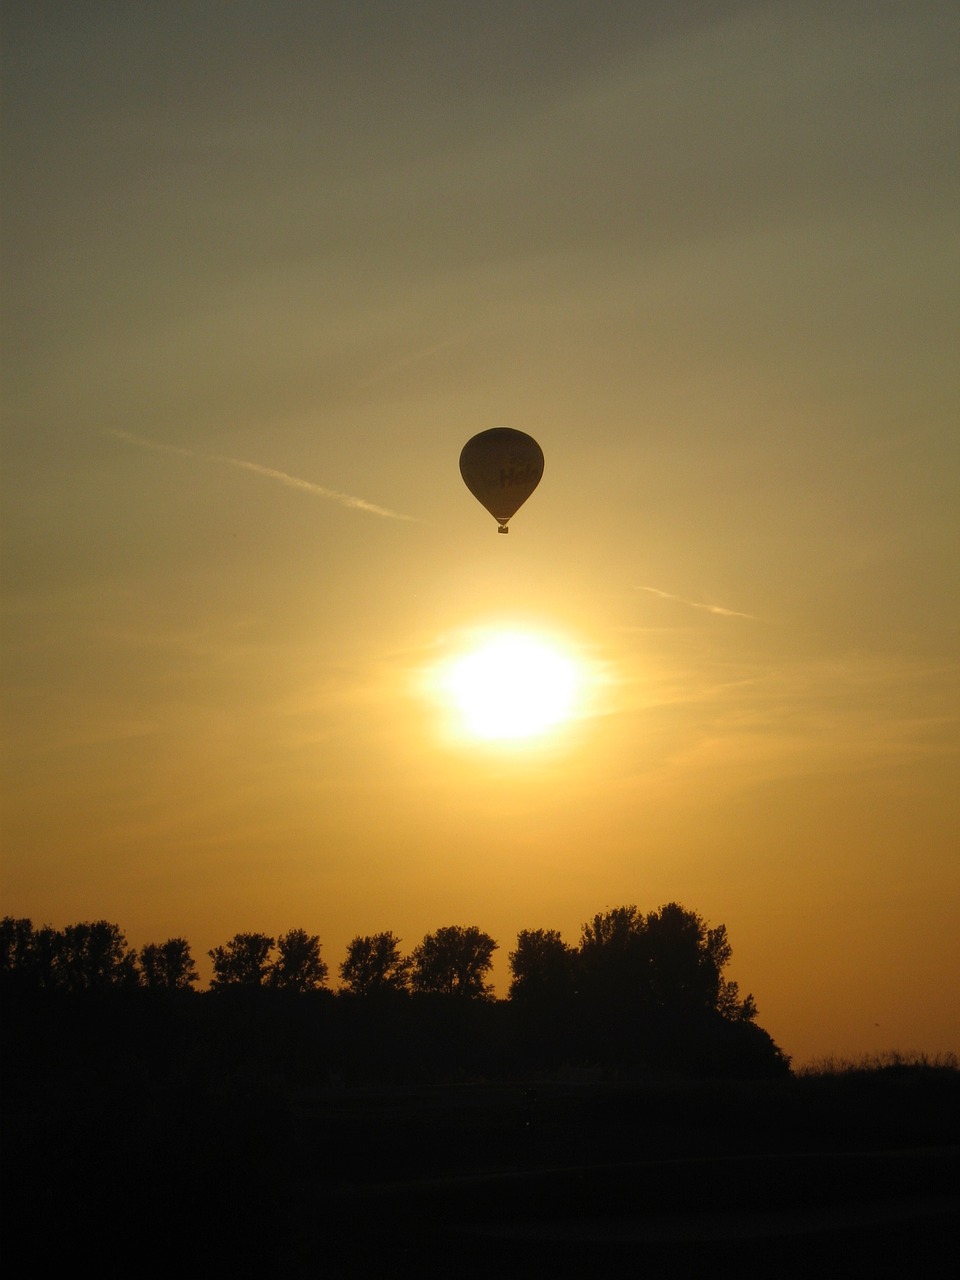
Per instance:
(292,482)
(414,358)
(696,604)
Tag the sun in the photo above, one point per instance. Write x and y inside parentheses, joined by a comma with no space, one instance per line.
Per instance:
(512,686)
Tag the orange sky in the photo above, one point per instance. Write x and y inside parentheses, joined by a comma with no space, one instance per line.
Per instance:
(262,260)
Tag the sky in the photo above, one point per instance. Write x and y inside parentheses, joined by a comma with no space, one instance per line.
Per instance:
(268,267)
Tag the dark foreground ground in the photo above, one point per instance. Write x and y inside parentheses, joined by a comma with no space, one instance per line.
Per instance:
(849,1175)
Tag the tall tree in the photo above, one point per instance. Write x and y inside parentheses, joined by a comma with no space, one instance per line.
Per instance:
(298,966)
(27,955)
(243,961)
(45,949)
(454,961)
(374,965)
(733,1006)
(668,959)
(168,966)
(16,946)
(611,964)
(683,958)
(613,930)
(542,968)
(94,957)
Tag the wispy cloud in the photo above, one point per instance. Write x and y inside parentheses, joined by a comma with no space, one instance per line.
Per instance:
(718,609)
(292,482)
(415,357)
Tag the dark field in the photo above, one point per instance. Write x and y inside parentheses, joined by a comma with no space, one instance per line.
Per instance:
(251,1134)
(852,1172)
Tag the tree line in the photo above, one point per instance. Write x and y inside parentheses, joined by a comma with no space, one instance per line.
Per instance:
(638,991)
(625,959)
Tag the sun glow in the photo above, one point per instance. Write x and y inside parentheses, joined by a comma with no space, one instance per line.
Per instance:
(512,686)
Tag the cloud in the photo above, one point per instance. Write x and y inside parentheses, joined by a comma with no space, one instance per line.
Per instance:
(292,482)
(696,604)
(405,362)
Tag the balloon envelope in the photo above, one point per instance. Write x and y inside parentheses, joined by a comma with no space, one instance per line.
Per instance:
(501,468)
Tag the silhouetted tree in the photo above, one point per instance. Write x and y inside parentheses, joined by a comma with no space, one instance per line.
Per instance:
(168,966)
(94,957)
(611,931)
(734,1007)
(542,968)
(243,961)
(16,947)
(668,959)
(45,948)
(81,957)
(610,964)
(688,961)
(298,966)
(454,961)
(374,964)
(683,959)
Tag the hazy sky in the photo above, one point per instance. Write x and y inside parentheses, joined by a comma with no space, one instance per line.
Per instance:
(266,267)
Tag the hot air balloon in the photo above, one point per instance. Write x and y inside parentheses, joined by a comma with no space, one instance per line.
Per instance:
(501,468)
